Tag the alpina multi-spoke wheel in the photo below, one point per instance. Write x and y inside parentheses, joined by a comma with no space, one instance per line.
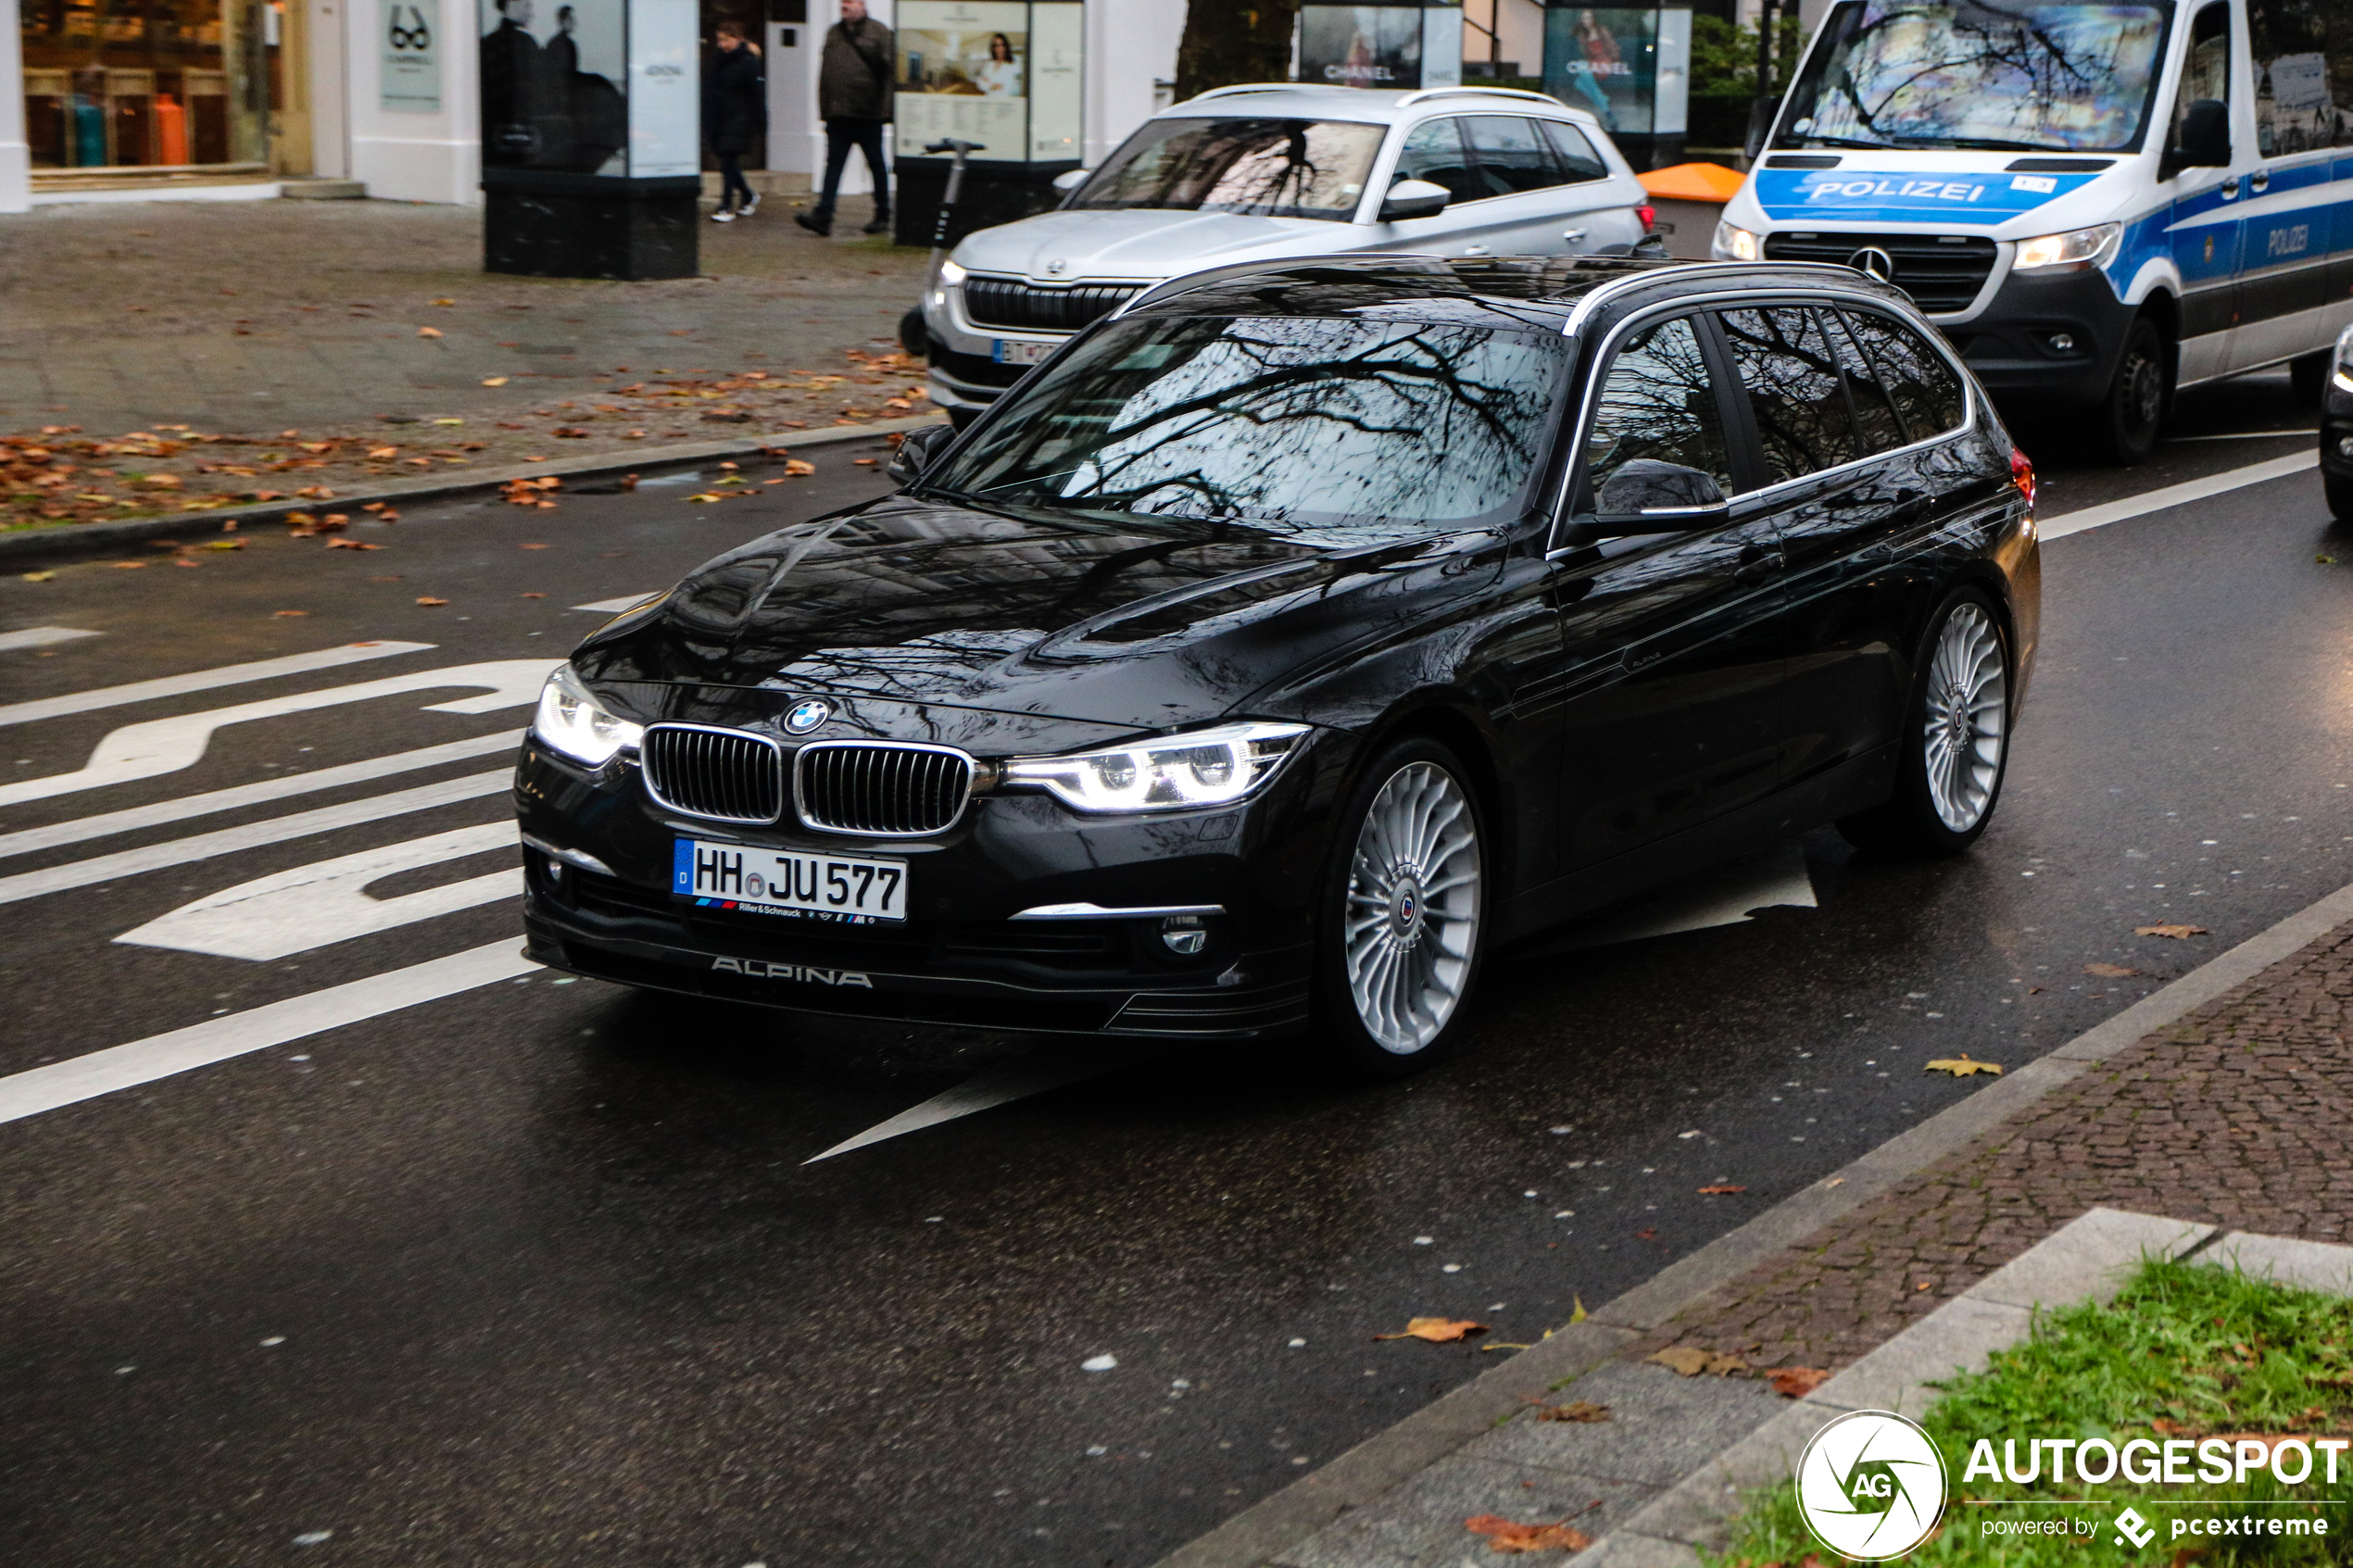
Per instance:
(1955,739)
(1405,924)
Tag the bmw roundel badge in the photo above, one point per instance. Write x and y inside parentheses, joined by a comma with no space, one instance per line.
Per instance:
(807,716)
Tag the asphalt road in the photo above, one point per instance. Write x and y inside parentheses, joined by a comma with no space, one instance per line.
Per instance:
(536,1272)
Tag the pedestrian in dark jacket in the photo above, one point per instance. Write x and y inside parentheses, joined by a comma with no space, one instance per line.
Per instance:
(854,78)
(734,113)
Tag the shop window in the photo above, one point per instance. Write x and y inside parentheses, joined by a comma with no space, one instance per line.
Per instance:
(149,83)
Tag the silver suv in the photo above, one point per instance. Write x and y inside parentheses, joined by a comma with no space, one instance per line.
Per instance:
(1268,172)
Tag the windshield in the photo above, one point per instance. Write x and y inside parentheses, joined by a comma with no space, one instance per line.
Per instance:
(2030,77)
(1266,168)
(1348,431)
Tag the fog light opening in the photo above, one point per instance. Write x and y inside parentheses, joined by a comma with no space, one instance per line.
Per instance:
(1183,935)
(2344,445)
(2062,342)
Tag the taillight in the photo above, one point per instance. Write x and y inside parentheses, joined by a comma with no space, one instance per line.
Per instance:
(1649,214)
(2022,475)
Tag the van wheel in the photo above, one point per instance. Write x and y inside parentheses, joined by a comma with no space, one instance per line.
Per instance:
(2137,398)
(2309,377)
(1955,740)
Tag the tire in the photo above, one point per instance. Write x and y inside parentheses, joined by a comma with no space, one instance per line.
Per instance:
(2139,397)
(1955,737)
(2338,488)
(1402,922)
(914,336)
(2308,378)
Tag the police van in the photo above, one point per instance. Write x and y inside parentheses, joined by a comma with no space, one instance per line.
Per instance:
(2098,201)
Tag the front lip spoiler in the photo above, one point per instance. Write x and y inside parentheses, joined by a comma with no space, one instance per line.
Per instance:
(1097,912)
(578,858)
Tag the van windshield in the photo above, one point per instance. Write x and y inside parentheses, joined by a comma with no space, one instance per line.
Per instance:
(1265,167)
(2017,75)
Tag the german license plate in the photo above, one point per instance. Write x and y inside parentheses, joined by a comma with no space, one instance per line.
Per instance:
(1011,352)
(784,882)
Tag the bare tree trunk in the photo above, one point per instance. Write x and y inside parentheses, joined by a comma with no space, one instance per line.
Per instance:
(1232,41)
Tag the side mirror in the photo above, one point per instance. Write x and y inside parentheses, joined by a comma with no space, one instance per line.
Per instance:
(917,450)
(1414,198)
(1649,497)
(1069,180)
(2205,138)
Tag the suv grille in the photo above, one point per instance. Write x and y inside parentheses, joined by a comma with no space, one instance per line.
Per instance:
(724,775)
(1005,302)
(882,789)
(1942,273)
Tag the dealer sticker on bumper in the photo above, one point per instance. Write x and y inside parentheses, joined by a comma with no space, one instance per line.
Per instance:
(783,881)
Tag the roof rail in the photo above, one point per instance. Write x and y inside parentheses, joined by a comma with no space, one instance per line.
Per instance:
(1426,94)
(1241,87)
(1186,281)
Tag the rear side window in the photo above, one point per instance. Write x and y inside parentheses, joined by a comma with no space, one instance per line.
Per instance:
(1658,401)
(1794,390)
(1513,155)
(1876,422)
(1435,152)
(1579,161)
(1923,387)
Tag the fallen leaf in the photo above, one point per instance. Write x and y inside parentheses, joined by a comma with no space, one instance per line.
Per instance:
(1575,1410)
(444,302)
(186,561)
(130,566)
(796,467)
(39,576)
(532,546)
(2109,971)
(351,544)
(2179,933)
(1577,1308)
(283,613)
(1924,1285)
(224,543)
(1438,1330)
(494,380)
(428,332)
(866,462)
(378,454)
(1505,1535)
(629,481)
(1961,1066)
(429,599)
(2325,561)
(1713,1191)
(1689,1361)
(535,595)
(387,515)
(1796,1382)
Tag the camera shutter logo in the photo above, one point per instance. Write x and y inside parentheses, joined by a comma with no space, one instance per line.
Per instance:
(2131,1527)
(1870,1486)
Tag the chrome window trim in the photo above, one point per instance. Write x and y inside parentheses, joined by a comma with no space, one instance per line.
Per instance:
(669,805)
(1588,408)
(800,813)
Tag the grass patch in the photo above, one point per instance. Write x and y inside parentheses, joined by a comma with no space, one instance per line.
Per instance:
(2184,1351)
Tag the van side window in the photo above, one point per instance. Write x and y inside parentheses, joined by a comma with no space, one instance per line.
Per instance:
(1435,152)
(2288,41)
(1921,383)
(1794,389)
(2206,68)
(1658,401)
(1579,160)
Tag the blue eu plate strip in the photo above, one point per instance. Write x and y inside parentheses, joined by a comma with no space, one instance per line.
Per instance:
(682,867)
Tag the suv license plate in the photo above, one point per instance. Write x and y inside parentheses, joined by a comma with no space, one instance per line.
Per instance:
(1009,352)
(781,882)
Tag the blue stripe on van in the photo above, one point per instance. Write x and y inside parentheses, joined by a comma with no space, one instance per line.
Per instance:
(1864,195)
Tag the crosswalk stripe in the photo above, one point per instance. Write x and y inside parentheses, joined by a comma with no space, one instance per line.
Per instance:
(164,746)
(222,1039)
(132,819)
(249,835)
(202,681)
(41,637)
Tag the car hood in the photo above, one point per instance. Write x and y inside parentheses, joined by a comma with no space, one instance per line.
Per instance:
(1056,248)
(1139,623)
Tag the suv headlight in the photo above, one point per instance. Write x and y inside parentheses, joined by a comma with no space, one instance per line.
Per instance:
(949,276)
(1736,244)
(572,721)
(2077,247)
(1174,774)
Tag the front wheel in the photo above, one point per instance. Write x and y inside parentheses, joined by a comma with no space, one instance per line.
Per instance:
(2308,377)
(2136,398)
(1403,916)
(1956,739)
(2339,491)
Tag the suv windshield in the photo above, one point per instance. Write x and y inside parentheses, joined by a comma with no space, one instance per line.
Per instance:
(1266,168)
(2027,76)
(1350,430)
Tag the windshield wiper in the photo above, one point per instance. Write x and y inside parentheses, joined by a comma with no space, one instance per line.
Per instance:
(1981,145)
(1835,142)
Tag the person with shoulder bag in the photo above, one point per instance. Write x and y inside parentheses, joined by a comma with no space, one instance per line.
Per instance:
(854,81)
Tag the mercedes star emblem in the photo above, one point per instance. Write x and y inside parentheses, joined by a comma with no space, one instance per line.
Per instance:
(1873,262)
(807,716)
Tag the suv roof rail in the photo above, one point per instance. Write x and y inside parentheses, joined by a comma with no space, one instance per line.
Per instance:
(1241,87)
(1427,94)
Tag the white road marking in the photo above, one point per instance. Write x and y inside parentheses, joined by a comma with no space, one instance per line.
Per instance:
(288,912)
(41,636)
(136,817)
(2179,495)
(202,681)
(249,835)
(2309,432)
(1007,1081)
(220,1039)
(1726,895)
(164,746)
(614,606)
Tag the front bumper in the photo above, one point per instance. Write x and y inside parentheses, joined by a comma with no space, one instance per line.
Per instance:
(2052,337)
(2336,430)
(960,958)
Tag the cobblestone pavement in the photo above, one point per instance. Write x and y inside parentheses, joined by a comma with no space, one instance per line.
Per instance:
(249,318)
(2236,1115)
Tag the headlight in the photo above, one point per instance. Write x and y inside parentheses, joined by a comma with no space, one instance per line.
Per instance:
(949,276)
(1736,244)
(2341,366)
(1175,774)
(572,721)
(2077,247)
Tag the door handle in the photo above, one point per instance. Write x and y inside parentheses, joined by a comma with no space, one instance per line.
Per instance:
(2230,189)
(1572,235)
(1758,564)
(1474,250)
(2261,181)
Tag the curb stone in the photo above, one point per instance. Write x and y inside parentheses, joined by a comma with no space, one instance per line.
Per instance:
(1269,1530)
(99,538)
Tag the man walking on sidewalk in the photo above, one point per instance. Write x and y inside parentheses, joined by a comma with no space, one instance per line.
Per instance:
(853,95)
(734,112)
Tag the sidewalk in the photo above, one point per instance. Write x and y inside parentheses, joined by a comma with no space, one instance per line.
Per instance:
(370,325)
(2232,1115)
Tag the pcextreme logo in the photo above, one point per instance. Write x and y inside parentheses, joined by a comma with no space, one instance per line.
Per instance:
(1870,1486)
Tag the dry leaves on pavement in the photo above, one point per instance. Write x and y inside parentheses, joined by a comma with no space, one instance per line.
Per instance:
(1796,1382)
(2179,933)
(1718,1191)
(1687,1361)
(1575,1410)
(1961,1066)
(2110,971)
(429,599)
(1503,1535)
(1438,1330)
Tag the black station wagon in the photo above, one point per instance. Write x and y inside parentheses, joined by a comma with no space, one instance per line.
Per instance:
(1295,635)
